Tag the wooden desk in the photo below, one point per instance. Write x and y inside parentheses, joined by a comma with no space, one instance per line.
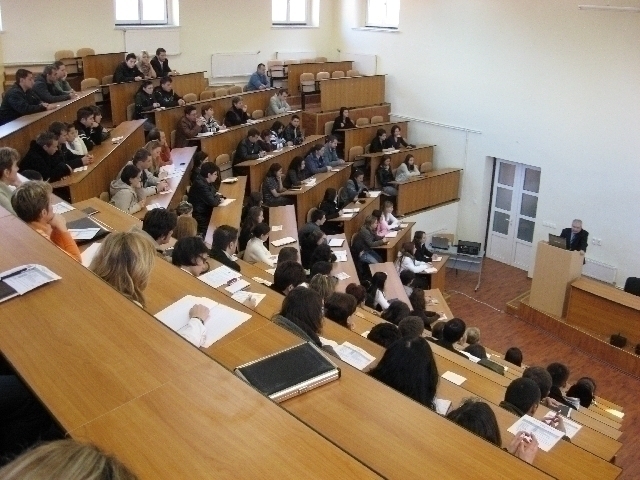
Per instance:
(351,92)
(435,188)
(311,196)
(109,158)
(390,251)
(227,141)
(19,133)
(229,215)
(393,287)
(313,122)
(421,154)
(122,94)
(352,225)
(180,157)
(604,309)
(257,169)
(286,217)
(166,120)
(347,267)
(297,69)
(362,136)
(102,64)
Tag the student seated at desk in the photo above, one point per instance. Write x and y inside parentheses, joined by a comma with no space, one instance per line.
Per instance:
(407,169)
(191,254)
(264,142)
(237,114)
(158,225)
(150,183)
(258,79)
(223,246)
(160,64)
(559,377)
(184,209)
(452,332)
(255,216)
(478,417)
(186,226)
(9,158)
(366,240)
(584,390)
(144,65)
(408,366)
(541,376)
(354,188)
(43,157)
(32,202)
(375,292)
(207,119)
(127,71)
(292,132)
(61,83)
(20,99)
(330,206)
(342,122)
(256,251)
(330,153)
(314,163)
(248,148)
(204,196)
(272,188)
(60,131)
(422,252)
(277,140)
(165,152)
(154,147)
(278,103)
(189,126)
(322,253)
(314,224)
(514,355)
(253,200)
(358,292)
(288,254)
(395,140)
(406,278)
(308,244)
(85,125)
(288,275)
(472,335)
(411,327)
(45,87)
(296,173)
(323,283)
(128,194)
(419,307)
(407,260)
(384,334)
(521,397)
(397,311)
(377,144)
(145,104)
(165,95)
(339,307)
(385,177)
(74,143)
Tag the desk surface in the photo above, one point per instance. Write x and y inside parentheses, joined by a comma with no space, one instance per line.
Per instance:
(286,218)
(347,267)
(230,214)
(393,287)
(607,292)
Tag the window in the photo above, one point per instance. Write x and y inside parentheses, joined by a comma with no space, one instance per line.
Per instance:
(383,13)
(289,12)
(141,12)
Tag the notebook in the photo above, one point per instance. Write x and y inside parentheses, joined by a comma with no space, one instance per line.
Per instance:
(290,372)
(87,224)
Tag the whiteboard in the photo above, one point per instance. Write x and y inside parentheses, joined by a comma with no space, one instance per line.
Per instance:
(149,39)
(365,64)
(225,65)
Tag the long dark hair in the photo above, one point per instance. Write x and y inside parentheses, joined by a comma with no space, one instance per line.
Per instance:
(296,163)
(342,109)
(273,169)
(477,417)
(406,162)
(303,307)
(277,126)
(330,195)
(408,367)
(407,251)
(376,283)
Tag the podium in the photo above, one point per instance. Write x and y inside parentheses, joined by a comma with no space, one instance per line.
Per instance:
(553,273)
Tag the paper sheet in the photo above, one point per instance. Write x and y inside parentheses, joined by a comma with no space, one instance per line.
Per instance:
(237,286)
(276,228)
(262,281)
(374,194)
(226,202)
(32,276)
(219,276)
(283,241)
(342,275)
(347,215)
(354,356)
(391,235)
(271,271)
(570,426)
(350,210)
(205,134)
(166,192)
(89,253)
(153,205)
(442,406)
(242,296)
(404,225)
(365,334)
(547,436)
(453,377)
(469,356)
(341,255)
(62,207)
(79,169)
(336,242)
(230,180)
(436,258)
(83,233)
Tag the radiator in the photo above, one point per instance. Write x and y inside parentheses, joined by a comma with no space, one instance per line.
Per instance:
(600,271)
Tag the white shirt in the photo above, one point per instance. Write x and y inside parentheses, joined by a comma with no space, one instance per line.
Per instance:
(194,331)
(408,263)
(380,300)
(392,221)
(257,252)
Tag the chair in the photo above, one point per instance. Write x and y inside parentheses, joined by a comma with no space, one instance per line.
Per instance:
(89,83)
(107,79)
(206,94)
(377,119)
(104,196)
(224,164)
(307,82)
(353,73)
(362,121)
(275,68)
(328,126)
(320,59)
(286,65)
(367,148)
(337,74)
(244,88)
(426,167)
(257,114)
(354,152)
(190,97)
(221,92)
(310,212)
(63,54)
(131,108)
(632,286)
(307,60)
(83,52)
(172,137)
(235,89)
(323,76)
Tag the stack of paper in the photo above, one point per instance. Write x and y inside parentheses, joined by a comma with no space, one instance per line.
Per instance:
(221,321)
(219,276)
(336,242)
(349,353)
(436,258)
(226,202)
(350,210)
(237,285)
(205,134)
(61,207)
(341,255)
(374,194)
(20,280)
(283,241)
(546,435)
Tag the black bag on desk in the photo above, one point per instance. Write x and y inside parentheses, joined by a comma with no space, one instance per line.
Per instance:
(618,341)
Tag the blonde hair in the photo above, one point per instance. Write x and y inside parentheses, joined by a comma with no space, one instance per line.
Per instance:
(143,53)
(473,335)
(124,261)
(155,168)
(185,227)
(30,199)
(325,285)
(66,459)
(8,156)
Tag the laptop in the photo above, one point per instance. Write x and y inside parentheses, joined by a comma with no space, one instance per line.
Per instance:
(440,242)
(557,241)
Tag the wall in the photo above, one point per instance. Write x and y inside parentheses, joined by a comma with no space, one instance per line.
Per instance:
(545,84)
(207,26)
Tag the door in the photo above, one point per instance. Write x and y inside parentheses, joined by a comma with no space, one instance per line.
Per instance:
(514,205)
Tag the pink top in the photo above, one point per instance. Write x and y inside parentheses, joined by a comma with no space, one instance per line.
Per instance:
(383,227)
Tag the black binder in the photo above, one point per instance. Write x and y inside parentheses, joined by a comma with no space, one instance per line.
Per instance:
(86,222)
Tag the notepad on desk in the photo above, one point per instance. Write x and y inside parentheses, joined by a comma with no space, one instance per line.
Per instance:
(85,229)
(350,210)
(276,228)
(219,276)
(347,215)
(453,377)
(283,241)
(391,235)
(442,405)
(341,255)
(20,280)
(374,194)
(237,285)
(336,242)
(204,134)
(546,435)
(62,207)
(342,275)
(221,320)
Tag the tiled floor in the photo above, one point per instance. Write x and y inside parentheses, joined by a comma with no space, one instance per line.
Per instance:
(485,309)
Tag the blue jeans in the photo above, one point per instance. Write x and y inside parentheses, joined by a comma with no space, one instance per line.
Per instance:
(370,257)
(391,191)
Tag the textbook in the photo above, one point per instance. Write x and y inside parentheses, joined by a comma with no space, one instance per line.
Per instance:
(23,279)
(85,230)
(290,372)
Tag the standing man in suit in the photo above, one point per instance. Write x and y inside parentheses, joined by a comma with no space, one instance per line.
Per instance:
(577,238)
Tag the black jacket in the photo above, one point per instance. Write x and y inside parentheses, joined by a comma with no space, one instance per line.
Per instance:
(385,177)
(339,124)
(161,69)
(89,135)
(376,145)
(164,98)
(235,116)
(71,159)
(557,395)
(17,102)
(330,209)
(203,197)
(293,135)
(125,74)
(48,92)
(397,144)
(580,240)
(221,257)
(51,167)
(422,253)
(246,150)
(364,241)
(293,178)
(449,346)
(511,408)
(143,105)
